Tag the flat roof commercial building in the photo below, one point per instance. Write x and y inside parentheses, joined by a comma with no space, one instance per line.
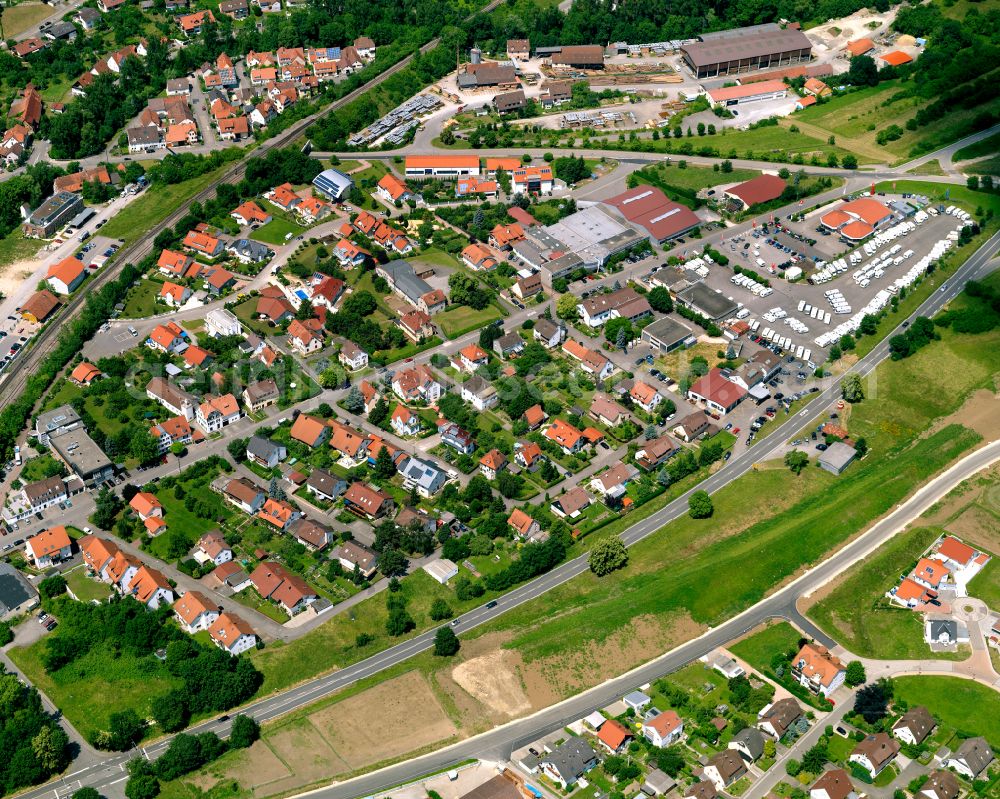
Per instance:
(709,303)
(746,50)
(666,334)
(442,166)
(52,215)
(82,456)
(837,457)
(17,595)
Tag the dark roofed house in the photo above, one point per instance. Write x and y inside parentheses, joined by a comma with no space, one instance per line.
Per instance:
(776,718)
(834,784)
(749,743)
(311,534)
(875,752)
(914,725)
(581,56)
(971,758)
(940,785)
(724,768)
(508,102)
(324,485)
(568,762)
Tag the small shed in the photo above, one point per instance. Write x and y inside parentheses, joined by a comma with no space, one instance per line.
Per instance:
(636,700)
(837,457)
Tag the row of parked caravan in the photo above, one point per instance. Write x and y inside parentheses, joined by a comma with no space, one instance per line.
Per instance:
(829,271)
(839,302)
(875,268)
(814,313)
(874,306)
(751,285)
(698,266)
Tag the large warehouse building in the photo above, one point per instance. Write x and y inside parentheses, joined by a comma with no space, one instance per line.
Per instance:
(746,50)
(659,216)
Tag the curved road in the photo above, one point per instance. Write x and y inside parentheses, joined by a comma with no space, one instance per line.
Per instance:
(108,771)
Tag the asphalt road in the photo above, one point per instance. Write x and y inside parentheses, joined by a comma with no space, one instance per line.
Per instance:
(108,772)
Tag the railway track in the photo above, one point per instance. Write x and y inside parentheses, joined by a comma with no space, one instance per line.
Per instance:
(42,344)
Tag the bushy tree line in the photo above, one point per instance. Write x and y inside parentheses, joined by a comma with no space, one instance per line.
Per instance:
(185,754)
(535,559)
(34,746)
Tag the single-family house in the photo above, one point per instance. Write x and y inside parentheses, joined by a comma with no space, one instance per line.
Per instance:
(724,768)
(914,726)
(570,504)
(368,502)
(246,496)
(404,421)
(875,752)
(479,393)
(971,758)
(212,548)
(195,611)
(815,668)
(664,729)
(232,634)
(48,547)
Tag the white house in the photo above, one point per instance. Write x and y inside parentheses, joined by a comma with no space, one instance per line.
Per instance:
(220,322)
(875,752)
(195,611)
(232,634)
(217,412)
(352,356)
(49,547)
(663,729)
(479,393)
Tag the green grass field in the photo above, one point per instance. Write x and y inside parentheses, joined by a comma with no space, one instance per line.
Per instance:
(691,177)
(990,166)
(155,205)
(18,18)
(275,231)
(962,704)
(987,146)
(15,247)
(84,588)
(986,584)
(93,687)
(460,319)
(758,649)
(858,615)
(141,300)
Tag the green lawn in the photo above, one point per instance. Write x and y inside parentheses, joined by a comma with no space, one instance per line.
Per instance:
(15,247)
(779,142)
(987,146)
(991,166)
(760,648)
(460,319)
(155,205)
(39,468)
(276,231)
(691,177)
(962,704)
(93,687)
(20,17)
(141,300)
(859,616)
(178,519)
(85,588)
(986,584)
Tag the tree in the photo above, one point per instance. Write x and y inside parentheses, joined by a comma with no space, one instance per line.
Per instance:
(617,330)
(849,162)
(700,505)
(125,729)
(399,622)
(659,300)
(670,761)
(855,673)
(796,460)
(354,402)
(384,466)
(392,562)
(86,792)
(466,290)
(863,71)
(608,555)
(142,786)
(237,449)
(871,703)
(566,307)
(446,643)
(49,746)
(440,610)
(815,758)
(379,413)
(170,711)
(107,507)
(52,586)
(852,389)
(861,447)
(244,732)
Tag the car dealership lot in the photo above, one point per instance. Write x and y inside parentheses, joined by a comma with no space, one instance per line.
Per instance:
(797,325)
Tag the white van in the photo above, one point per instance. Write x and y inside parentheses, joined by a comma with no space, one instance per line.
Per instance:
(760,262)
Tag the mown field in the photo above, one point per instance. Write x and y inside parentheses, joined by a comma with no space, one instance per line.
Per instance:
(858,615)
(963,704)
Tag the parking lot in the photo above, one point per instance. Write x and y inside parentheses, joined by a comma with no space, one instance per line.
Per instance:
(780,310)
(97,250)
(14,335)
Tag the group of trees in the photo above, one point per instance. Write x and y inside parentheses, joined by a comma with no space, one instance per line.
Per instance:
(34,746)
(185,754)
(980,312)
(608,555)
(918,335)
(212,679)
(352,322)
